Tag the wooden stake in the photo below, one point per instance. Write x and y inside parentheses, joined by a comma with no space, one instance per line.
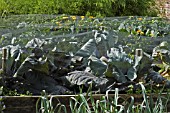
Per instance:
(4,59)
(139,52)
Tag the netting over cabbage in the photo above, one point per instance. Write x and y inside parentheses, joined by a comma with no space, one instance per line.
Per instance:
(102,46)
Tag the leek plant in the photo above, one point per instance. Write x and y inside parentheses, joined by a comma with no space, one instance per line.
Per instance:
(45,105)
(88,103)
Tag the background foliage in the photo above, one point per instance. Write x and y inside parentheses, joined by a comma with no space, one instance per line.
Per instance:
(80,7)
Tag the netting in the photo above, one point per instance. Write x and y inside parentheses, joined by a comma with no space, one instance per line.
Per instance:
(70,33)
(78,49)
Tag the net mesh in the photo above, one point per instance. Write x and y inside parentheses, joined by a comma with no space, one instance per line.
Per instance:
(70,33)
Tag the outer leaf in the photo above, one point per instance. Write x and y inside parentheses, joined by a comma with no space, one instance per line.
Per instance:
(32,63)
(120,59)
(97,66)
(36,42)
(113,71)
(167,84)
(131,74)
(78,78)
(156,77)
(143,65)
(101,43)
(87,49)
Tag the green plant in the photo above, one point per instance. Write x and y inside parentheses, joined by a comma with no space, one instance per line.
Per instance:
(2,106)
(45,105)
(80,103)
(88,103)
(150,106)
(99,8)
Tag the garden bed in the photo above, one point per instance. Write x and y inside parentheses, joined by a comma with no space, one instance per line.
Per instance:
(28,104)
(86,53)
